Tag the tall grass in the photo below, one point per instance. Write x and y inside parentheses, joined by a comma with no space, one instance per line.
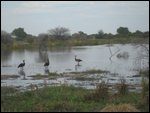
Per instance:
(122,87)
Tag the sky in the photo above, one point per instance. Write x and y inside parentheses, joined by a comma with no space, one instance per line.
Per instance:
(88,16)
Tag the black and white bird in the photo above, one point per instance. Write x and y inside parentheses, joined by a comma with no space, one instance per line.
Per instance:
(77,60)
(22,64)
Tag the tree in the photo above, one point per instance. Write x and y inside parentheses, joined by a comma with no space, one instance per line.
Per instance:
(80,34)
(138,32)
(100,34)
(6,38)
(19,33)
(108,35)
(123,31)
(59,32)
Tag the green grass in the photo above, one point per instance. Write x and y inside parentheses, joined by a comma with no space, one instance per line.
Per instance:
(61,98)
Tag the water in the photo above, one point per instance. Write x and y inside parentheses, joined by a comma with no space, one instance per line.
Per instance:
(62,60)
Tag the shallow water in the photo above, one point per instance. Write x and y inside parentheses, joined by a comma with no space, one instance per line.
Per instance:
(62,60)
(94,57)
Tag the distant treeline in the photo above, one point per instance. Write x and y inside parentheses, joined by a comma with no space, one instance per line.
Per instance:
(62,33)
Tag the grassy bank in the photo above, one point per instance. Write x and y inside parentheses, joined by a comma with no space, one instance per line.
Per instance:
(63,98)
(54,43)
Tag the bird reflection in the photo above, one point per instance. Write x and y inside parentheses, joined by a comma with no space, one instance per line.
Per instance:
(77,66)
(22,72)
(46,70)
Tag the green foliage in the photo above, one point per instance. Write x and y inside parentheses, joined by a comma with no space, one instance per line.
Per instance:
(123,31)
(19,33)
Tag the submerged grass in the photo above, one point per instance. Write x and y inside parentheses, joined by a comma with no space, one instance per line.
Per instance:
(5,77)
(50,75)
(61,99)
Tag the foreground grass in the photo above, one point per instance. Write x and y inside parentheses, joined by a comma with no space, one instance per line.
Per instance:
(62,98)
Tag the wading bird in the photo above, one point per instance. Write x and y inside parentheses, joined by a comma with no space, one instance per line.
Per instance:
(77,60)
(22,64)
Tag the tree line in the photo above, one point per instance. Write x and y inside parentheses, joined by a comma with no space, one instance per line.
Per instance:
(62,33)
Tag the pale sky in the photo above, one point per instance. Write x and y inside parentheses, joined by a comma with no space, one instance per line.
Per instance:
(88,16)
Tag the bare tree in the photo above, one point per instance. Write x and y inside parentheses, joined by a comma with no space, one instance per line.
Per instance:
(59,32)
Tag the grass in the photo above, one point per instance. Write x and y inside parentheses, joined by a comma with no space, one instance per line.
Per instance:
(62,99)
(54,43)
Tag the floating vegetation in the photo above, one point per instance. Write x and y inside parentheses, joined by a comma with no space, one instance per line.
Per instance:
(5,77)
